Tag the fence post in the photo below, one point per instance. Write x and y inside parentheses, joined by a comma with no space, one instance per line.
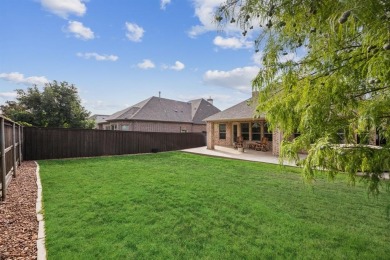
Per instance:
(19,146)
(3,169)
(14,147)
(21,141)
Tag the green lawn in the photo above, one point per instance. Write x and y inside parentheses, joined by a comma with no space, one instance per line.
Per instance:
(178,205)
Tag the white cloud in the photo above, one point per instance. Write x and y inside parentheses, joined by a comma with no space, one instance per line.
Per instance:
(7,96)
(19,78)
(257,58)
(178,66)
(289,57)
(231,43)
(64,8)
(238,78)
(205,11)
(134,32)
(146,64)
(98,57)
(164,4)
(11,95)
(80,31)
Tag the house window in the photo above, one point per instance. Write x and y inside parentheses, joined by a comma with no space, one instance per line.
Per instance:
(340,137)
(125,128)
(113,127)
(267,132)
(380,140)
(222,131)
(245,131)
(107,127)
(256,131)
(363,138)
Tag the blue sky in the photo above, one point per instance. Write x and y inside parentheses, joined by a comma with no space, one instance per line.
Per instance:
(120,52)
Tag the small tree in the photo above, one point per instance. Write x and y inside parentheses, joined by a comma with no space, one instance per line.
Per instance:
(337,90)
(58,105)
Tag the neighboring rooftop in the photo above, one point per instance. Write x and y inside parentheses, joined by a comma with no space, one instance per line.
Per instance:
(167,110)
(99,118)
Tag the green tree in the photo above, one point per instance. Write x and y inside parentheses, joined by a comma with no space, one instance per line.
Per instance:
(16,112)
(58,105)
(337,90)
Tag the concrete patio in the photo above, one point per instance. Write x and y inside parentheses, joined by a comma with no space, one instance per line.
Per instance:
(251,155)
(247,155)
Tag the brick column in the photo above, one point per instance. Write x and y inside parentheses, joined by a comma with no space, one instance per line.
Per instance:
(261,129)
(277,137)
(250,131)
(210,135)
(372,137)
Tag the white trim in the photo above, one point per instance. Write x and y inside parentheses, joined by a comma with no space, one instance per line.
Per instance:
(41,254)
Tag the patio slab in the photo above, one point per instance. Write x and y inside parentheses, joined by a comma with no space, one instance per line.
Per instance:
(250,155)
(247,155)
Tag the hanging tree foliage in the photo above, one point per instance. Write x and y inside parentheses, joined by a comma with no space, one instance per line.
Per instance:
(337,93)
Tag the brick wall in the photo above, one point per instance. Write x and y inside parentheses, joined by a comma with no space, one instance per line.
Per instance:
(228,140)
(198,128)
(147,126)
(210,135)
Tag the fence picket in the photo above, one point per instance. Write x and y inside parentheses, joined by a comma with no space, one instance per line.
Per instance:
(57,143)
(10,157)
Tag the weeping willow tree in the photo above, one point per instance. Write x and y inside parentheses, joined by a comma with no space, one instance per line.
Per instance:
(336,92)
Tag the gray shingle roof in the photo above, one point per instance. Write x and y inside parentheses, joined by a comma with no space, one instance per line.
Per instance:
(242,111)
(99,118)
(167,110)
(202,109)
(127,112)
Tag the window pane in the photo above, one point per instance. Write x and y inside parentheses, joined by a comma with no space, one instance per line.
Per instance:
(340,137)
(245,131)
(256,137)
(222,131)
(380,140)
(363,138)
(267,133)
(255,131)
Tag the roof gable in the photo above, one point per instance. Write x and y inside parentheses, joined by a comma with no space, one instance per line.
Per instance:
(99,118)
(204,109)
(162,109)
(243,110)
(128,112)
(167,110)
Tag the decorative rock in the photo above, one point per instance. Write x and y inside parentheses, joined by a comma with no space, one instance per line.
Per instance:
(344,17)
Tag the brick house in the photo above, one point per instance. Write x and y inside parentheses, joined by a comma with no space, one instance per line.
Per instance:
(157,114)
(98,119)
(224,127)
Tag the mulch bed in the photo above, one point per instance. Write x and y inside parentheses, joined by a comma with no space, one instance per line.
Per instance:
(18,220)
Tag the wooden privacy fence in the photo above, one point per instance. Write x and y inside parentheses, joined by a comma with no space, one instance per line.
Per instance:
(10,152)
(54,143)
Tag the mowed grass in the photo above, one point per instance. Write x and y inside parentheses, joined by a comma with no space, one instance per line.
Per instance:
(180,206)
